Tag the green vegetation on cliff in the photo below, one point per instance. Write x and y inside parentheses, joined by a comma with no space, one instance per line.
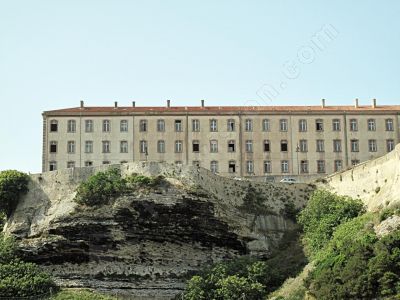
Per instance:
(102,187)
(248,277)
(13,184)
(323,213)
(19,278)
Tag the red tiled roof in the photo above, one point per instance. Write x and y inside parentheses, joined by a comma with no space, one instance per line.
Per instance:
(209,109)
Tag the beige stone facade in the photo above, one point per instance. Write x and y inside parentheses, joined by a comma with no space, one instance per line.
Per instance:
(232,141)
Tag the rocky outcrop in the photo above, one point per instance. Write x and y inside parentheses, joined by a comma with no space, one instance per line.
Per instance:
(376,182)
(149,242)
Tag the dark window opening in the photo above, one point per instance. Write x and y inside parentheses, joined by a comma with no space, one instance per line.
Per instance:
(232,167)
(196,147)
(231,147)
(284,146)
(53,127)
(53,148)
(319,125)
(267,147)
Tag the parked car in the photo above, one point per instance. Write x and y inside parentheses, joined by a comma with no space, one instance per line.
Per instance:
(288,180)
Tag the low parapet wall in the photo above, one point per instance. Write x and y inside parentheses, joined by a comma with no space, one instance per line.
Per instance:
(375,182)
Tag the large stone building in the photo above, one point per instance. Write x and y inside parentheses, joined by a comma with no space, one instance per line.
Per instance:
(229,140)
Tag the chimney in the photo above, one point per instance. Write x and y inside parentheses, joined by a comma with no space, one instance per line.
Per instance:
(82,104)
(374,103)
(168,103)
(133,103)
(115,104)
(356,103)
(323,103)
(202,103)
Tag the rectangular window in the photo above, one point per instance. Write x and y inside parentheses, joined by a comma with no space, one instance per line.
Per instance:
(266,126)
(106,126)
(285,166)
(88,163)
(320,166)
(178,147)
(213,146)
(213,125)
(123,147)
(143,147)
(231,146)
(249,146)
(320,146)
(53,126)
(52,166)
(88,125)
(249,167)
(232,166)
(88,146)
(283,125)
(354,144)
(178,125)
(389,145)
(372,147)
(353,125)
(106,162)
(53,147)
(71,147)
(338,165)
(303,145)
(389,125)
(371,125)
(214,166)
(336,125)
(355,162)
(284,146)
(267,146)
(143,125)
(106,147)
(195,125)
(248,125)
(196,146)
(160,125)
(267,166)
(123,126)
(302,125)
(231,125)
(70,164)
(337,146)
(319,125)
(160,146)
(304,166)
(71,126)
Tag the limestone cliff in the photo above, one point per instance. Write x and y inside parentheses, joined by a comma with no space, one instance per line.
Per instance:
(376,182)
(147,243)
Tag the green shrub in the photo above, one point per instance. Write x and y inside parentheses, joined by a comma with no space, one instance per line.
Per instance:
(101,187)
(356,264)
(248,277)
(7,249)
(254,202)
(323,213)
(290,211)
(13,184)
(21,279)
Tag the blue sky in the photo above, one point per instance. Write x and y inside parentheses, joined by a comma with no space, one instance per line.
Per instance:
(55,53)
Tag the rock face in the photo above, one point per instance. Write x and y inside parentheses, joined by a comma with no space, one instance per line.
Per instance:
(375,182)
(146,244)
